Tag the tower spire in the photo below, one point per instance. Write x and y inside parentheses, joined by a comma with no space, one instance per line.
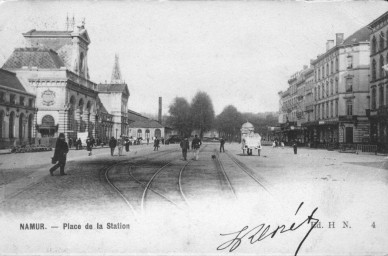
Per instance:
(116,73)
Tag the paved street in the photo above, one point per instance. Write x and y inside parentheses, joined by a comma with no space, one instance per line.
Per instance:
(146,188)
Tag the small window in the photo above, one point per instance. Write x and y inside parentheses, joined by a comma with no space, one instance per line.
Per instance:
(349,84)
(349,108)
(373,98)
(349,62)
(12,98)
(381,96)
(21,100)
(30,102)
(2,97)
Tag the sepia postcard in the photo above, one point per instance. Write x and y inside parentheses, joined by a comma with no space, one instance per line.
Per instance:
(193,128)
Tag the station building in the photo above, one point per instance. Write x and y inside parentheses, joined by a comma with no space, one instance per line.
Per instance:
(54,69)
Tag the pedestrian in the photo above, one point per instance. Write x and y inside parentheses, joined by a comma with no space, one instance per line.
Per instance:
(273,144)
(59,158)
(112,145)
(295,146)
(282,144)
(79,144)
(148,140)
(222,143)
(156,144)
(89,145)
(185,145)
(120,145)
(70,142)
(195,145)
(127,144)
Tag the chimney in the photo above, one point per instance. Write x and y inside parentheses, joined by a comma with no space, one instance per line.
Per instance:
(329,44)
(160,110)
(339,38)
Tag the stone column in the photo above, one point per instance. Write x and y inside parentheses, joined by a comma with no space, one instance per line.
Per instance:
(85,118)
(78,119)
(95,125)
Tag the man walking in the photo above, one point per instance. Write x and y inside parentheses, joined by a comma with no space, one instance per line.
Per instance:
(222,143)
(185,145)
(112,145)
(156,144)
(195,145)
(295,146)
(59,158)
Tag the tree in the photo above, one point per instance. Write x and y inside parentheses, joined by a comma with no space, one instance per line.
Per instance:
(229,122)
(179,117)
(202,112)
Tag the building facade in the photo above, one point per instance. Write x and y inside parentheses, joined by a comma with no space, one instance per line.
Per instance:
(143,127)
(341,91)
(17,111)
(54,69)
(379,82)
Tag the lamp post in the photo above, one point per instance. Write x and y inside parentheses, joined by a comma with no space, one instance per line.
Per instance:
(116,132)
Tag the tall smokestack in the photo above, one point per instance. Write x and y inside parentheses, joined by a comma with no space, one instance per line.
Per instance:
(160,110)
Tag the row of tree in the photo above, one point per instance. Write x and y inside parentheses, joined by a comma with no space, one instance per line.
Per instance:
(199,115)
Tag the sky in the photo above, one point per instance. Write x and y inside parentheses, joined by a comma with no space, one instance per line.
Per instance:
(240,52)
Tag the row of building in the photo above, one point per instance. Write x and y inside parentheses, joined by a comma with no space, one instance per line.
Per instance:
(45,89)
(342,96)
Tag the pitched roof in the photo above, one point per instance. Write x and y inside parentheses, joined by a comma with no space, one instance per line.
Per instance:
(9,79)
(361,35)
(112,87)
(140,121)
(42,58)
(134,116)
(38,33)
(145,124)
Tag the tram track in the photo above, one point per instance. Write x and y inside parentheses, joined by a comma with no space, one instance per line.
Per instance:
(119,190)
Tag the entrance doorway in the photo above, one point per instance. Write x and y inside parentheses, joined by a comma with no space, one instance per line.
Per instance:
(349,135)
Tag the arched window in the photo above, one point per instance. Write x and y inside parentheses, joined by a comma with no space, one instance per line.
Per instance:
(147,134)
(139,133)
(11,124)
(374,45)
(336,64)
(30,122)
(21,130)
(319,92)
(374,70)
(381,69)
(381,95)
(1,123)
(331,87)
(331,67)
(336,86)
(323,71)
(158,133)
(327,69)
(382,38)
(373,106)
(48,120)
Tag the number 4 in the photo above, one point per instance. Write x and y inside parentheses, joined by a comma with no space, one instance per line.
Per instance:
(373,225)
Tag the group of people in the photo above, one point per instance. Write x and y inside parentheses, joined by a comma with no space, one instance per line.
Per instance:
(121,143)
(294,144)
(195,145)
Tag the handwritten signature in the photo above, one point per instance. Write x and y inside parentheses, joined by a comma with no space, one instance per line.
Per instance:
(262,231)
